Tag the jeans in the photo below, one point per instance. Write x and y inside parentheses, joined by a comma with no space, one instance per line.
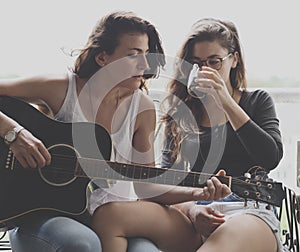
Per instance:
(62,234)
(230,198)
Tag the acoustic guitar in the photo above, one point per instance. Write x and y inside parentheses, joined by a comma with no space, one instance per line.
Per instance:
(80,153)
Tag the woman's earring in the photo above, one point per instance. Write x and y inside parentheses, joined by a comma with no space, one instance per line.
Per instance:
(100,60)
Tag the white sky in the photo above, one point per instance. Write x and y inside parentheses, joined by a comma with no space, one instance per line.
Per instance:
(33,31)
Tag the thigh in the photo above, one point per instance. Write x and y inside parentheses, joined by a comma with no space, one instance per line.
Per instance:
(141,244)
(49,234)
(166,226)
(245,233)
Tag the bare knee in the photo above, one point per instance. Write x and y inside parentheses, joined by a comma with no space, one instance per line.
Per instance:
(107,210)
(105,218)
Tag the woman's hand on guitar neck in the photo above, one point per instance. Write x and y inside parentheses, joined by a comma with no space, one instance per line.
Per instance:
(30,151)
(214,190)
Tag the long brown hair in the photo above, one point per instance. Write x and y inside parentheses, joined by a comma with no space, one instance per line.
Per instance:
(181,107)
(105,38)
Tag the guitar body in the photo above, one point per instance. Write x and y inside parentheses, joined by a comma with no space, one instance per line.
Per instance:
(54,187)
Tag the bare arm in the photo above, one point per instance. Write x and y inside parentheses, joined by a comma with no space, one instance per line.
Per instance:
(29,150)
(49,89)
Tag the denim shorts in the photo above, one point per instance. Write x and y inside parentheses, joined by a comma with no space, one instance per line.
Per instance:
(233,205)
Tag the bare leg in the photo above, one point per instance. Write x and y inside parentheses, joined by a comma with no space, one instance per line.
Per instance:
(245,233)
(167,227)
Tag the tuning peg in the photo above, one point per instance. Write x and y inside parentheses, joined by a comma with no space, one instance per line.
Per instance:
(247,175)
(257,177)
(268,207)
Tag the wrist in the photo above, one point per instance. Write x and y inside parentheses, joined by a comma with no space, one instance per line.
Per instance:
(186,208)
(200,194)
(11,135)
(190,213)
(6,124)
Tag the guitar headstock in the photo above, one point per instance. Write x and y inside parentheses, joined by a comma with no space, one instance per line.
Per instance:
(266,191)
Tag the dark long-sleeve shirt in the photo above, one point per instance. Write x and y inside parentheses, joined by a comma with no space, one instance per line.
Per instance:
(257,143)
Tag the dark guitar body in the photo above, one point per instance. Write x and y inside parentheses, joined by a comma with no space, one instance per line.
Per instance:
(53,187)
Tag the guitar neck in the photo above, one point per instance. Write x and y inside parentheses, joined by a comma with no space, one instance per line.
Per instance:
(102,169)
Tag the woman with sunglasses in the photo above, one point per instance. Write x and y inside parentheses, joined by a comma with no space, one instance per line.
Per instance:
(212,122)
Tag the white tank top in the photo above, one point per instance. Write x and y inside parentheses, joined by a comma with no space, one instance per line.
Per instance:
(121,141)
(70,111)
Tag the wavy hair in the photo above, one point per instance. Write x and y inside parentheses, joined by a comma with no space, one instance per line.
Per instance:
(181,107)
(105,37)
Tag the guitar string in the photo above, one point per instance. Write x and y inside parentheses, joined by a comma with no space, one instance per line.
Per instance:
(167,181)
(160,169)
(188,182)
(66,171)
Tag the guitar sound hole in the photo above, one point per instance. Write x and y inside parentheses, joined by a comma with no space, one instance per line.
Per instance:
(61,170)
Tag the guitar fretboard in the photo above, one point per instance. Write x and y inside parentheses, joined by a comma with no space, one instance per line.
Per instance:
(94,168)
